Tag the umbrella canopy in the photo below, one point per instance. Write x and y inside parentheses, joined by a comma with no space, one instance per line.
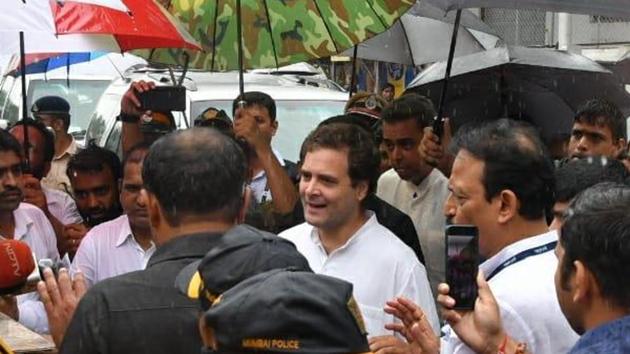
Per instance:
(419,37)
(543,86)
(277,33)
(88,25)
(44,62)
(612,8)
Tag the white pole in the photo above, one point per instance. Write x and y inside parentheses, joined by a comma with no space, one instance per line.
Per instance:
(564,31)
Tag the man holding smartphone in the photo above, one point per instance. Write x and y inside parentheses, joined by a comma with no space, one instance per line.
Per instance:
(502,182)
(273,179)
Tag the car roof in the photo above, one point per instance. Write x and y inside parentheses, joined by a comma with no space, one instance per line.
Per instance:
(224,85)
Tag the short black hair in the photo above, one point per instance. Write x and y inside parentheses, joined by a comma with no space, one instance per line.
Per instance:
(410,106)
(9,143)
(137,153)
(515,159)
(601,112)
(579,174)
(256,98)
(596,232)
(196,172)
(49,137)
(363,155)
(94,159)
(388,85)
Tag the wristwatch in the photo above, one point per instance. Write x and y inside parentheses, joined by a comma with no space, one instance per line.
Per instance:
(127,118)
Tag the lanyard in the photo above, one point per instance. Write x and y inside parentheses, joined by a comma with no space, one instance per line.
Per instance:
(523,255)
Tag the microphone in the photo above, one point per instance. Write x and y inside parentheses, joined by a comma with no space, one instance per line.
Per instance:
(19,269)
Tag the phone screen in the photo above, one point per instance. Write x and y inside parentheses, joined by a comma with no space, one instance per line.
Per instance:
(462,263)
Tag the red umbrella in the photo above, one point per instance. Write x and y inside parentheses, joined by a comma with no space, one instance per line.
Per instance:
(144,24)
(86,26)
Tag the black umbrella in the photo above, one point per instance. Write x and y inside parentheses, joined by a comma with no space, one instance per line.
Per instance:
(540,85)
(611,8)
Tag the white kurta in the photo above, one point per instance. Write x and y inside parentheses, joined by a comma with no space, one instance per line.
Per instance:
(424,203)
(379,266)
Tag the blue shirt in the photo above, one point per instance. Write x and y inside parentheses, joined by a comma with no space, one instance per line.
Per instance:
(610,338)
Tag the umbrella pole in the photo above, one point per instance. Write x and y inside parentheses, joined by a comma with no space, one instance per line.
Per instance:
(239,34)
(437,123)
(354,71)
(24,108)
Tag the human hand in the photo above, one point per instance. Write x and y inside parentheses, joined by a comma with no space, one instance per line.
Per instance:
(60,298)
(481,328)
(8,306)
(414,326)
(33,192)
(72,236)
(431,147)
(130,103)
(388,345)
(246,128)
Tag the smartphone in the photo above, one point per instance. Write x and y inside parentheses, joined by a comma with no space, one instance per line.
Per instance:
(462,264)
(164,99)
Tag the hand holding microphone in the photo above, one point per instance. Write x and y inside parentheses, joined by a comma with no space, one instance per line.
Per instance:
(19,270)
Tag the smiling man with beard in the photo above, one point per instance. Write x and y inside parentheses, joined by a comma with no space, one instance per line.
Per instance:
(23,222)
(124,244)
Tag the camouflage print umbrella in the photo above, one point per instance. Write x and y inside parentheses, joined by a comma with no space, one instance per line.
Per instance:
(275,32)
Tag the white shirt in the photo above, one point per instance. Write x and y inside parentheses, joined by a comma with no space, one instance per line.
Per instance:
(377,263)
(33,228)
(424,203)
(109,249)
(525,292)
(62,206)
(259,186)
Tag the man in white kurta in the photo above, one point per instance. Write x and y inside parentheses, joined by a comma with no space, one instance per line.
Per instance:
(412,185)
(341,238)
(377,263)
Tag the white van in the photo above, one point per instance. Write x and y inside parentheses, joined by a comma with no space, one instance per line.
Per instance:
(299,108)
(81,85)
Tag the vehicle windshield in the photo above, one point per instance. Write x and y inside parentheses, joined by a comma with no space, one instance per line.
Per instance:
(295,120)
(83,95)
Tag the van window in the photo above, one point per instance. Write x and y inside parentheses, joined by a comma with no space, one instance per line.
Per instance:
(295,118)
(83,95)
(113,140)
(108,107)
(8,111)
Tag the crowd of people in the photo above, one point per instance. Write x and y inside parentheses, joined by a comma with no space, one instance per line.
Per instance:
(206,239)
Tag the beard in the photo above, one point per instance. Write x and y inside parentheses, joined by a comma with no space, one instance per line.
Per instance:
(96,217)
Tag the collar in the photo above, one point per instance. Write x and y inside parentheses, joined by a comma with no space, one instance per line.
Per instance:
(71,150)
(517,247)
(276,153)
(353,239)
(124,232)
(606,332)
(186,246)
(423,188)
(23,222)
